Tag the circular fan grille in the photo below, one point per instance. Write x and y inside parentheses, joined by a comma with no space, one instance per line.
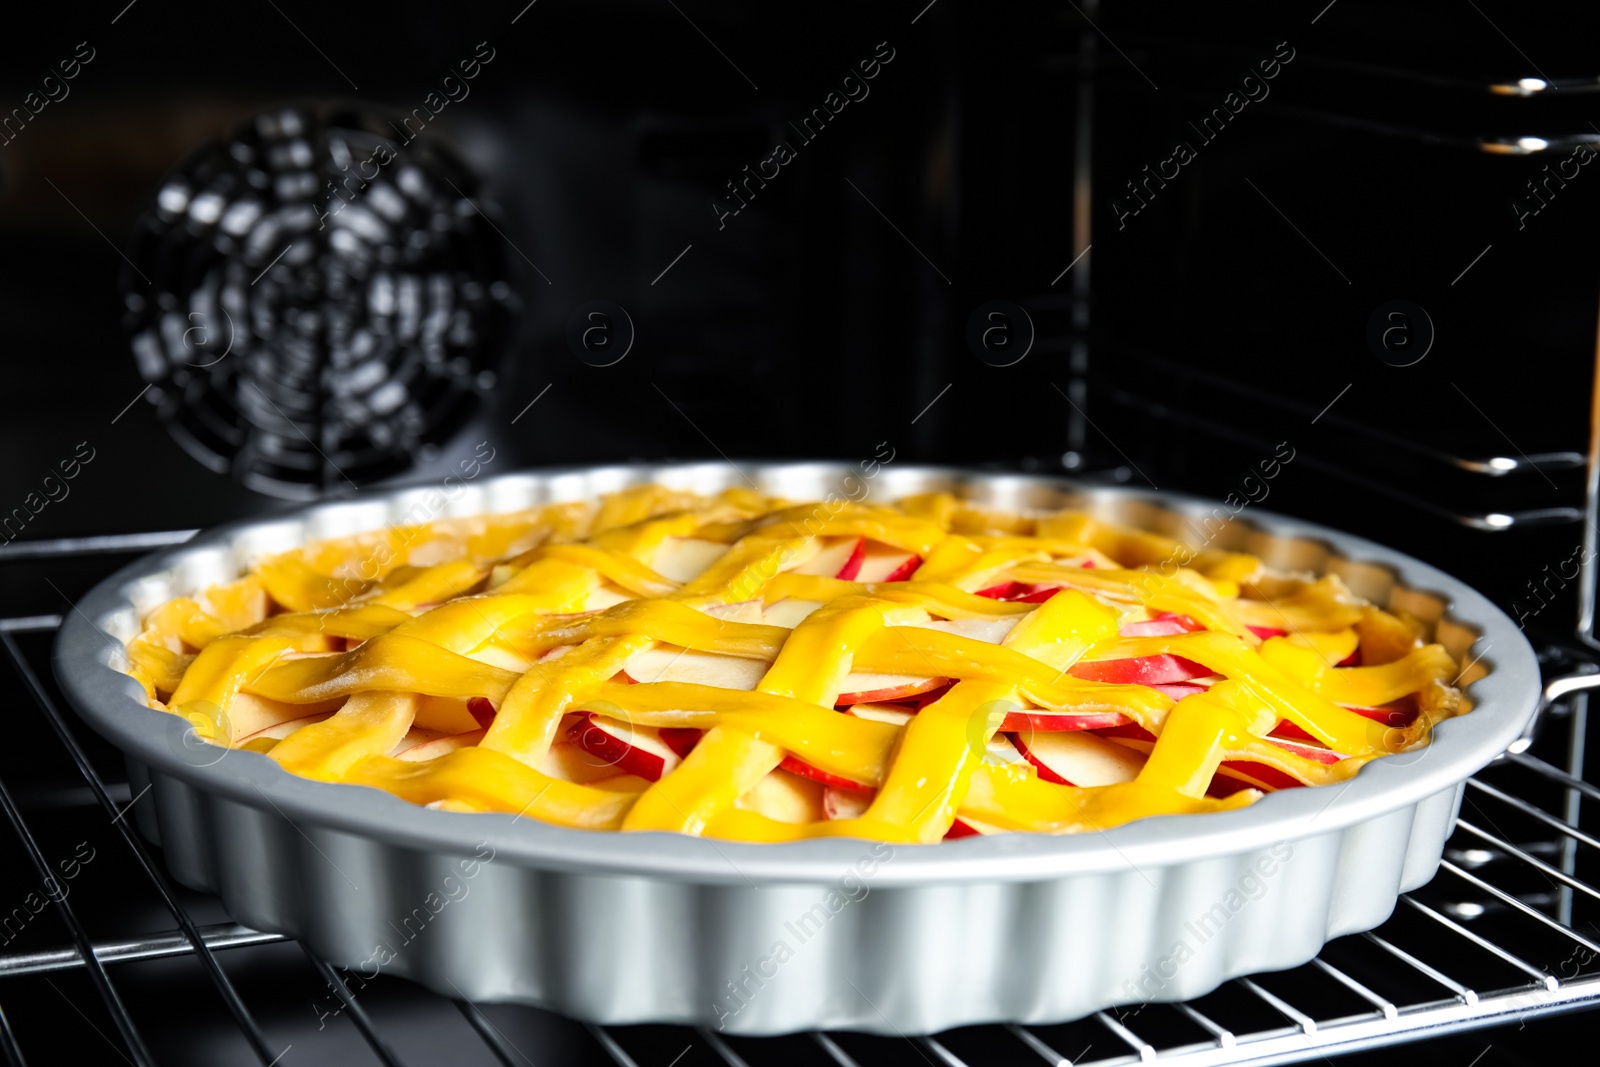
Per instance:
(324,301)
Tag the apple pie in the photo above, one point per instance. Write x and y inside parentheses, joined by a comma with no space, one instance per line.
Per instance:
(745,667)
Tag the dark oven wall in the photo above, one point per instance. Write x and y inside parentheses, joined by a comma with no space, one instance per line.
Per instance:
(912,277)
(1360,235)
(812,302)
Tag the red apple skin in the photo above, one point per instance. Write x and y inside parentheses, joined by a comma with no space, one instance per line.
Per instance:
(1271,777)
(1164,625)
(1400,714)
(904,572)
(1045,773)
(922,700)
(1265,632)
(960,829)
(899,692)
(615,751)
(1051,722)
(481,710)
(1352,660)
(681,739)
(1020,592)
(1140,670)
(1179,690)
(797,766)
(1223,786)
(852,566)
(1311,752)
(1132,731)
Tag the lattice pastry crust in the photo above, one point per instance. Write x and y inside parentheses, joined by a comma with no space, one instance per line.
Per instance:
(744,667)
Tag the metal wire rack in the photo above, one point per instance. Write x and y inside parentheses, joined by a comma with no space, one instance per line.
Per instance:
(1505,933)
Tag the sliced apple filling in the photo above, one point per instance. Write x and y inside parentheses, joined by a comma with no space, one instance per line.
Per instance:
(745,667)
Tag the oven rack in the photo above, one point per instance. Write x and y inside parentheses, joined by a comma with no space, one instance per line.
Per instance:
(1507,932)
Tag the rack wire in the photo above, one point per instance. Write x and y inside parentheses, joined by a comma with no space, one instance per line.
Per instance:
(1506,932)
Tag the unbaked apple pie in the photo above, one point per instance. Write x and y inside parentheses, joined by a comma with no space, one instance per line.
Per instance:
(745,667)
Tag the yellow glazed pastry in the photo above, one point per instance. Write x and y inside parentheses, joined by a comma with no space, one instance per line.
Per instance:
(745,667)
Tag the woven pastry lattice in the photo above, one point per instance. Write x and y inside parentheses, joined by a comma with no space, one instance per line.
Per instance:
(745,667)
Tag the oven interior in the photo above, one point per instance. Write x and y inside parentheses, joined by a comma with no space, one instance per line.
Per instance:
(1364,273)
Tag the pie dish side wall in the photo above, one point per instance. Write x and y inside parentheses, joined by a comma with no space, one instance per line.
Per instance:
(628,928)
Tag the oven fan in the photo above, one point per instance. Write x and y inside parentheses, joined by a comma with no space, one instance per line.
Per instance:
(323,301)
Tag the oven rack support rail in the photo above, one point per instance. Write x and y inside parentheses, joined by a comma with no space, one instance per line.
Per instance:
(1301,1036)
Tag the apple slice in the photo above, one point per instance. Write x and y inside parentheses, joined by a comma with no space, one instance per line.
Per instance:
(606,596)
(886,564)
(894,714)
(1317,752)
(278,731)
(901,573)
(851,570)
(845,803)
(432,747)
(251,716)
(1079,759)
(1056,722)
(681,739)
(1178,690)
(863,687)
(834,558)
(568,761)
(481,710)
(1266,632)
(1131,732)
(739,611)
(789,612)
(958,829)
(499,656)
(989,631)
(1165,624)
(795,765)
(1223,785)
(1140,670)
(1400,714)
(668,663)
(1255,776)
(684,559)
(636,750)
(786,797)
(446,715)
(1021,592)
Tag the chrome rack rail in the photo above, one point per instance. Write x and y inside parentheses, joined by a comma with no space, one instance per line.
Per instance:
(1505,933)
